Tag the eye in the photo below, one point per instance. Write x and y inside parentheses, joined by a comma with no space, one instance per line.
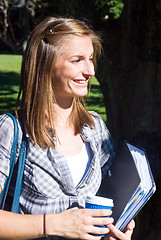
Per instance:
(76,60)
(91,59)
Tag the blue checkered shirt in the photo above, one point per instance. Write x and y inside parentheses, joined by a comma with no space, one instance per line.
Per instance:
(47,183)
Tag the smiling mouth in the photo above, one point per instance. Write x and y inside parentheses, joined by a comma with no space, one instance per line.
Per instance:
(81,81)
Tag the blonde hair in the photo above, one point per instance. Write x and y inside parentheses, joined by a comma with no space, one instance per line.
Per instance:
(43,49)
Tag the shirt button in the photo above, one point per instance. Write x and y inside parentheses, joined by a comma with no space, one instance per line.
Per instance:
(85,184)
(87,137)
(93,167)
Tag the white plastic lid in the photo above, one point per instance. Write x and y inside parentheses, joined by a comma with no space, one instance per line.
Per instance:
(100,200)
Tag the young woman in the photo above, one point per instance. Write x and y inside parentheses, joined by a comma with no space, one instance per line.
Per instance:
(67,146)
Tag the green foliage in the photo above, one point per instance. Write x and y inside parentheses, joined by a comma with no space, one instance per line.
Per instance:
(115,8)
(111,8)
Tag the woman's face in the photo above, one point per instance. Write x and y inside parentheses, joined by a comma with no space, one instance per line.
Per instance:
(73,68)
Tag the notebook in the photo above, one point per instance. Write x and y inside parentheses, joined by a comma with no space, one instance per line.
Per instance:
(129,182)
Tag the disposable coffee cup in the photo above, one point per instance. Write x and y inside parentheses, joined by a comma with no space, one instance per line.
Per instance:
(96,202)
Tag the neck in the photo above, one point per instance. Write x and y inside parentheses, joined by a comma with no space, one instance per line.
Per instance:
(64,103)
(62,109)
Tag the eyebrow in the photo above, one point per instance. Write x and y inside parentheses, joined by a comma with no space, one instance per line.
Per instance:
(81,56)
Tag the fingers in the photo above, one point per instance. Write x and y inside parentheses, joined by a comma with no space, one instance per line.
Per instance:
(96,230)
(93,218)
(81,223)
(102,221)
(97,212)
(112,238)
(115,233)
(131,225)
(90,237)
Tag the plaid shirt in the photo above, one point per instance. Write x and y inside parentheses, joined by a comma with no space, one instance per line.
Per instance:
(47,183)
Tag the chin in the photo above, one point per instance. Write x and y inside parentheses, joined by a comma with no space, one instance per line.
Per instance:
(81,94)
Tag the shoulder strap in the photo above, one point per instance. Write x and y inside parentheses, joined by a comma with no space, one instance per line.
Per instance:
(21,164)
(4,192)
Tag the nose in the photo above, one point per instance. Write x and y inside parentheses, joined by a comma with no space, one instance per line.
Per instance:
(88,69)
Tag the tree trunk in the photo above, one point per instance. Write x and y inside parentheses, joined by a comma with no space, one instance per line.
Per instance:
(130,77)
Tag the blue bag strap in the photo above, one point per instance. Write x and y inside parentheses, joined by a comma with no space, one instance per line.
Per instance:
(4,192)
(21,165)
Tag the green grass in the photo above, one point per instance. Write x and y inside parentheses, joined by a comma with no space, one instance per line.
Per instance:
(10,63)
(9,81)
(9,85)
(95,99)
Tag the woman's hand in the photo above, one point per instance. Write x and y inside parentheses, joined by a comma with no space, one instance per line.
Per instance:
(78,223)
(117,234)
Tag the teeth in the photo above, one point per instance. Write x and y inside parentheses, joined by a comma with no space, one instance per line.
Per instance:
(80,81)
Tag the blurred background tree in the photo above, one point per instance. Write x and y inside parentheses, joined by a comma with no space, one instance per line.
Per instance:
(129,72)
(16,21)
